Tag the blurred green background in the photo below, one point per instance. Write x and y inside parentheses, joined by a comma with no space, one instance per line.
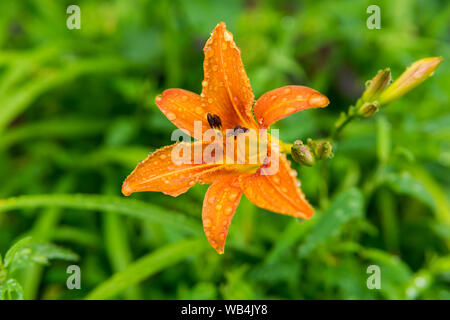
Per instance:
(77,113)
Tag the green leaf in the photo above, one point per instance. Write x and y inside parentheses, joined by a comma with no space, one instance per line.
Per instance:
(11,290)
(147,266)
(11,253)
(346,206)
(383,139)
(395,273)
(405,183)
(26,253)
(128,207)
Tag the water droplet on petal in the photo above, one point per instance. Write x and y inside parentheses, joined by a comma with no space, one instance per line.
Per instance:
(207,222)
(204,83)
(318,100)
(227,36)
(171,116)
(287,91)
(290,110)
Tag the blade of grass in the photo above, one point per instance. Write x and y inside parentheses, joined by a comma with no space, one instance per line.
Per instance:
(116,240)
(41,231)
(129,207)
(59,128)
(16,102)
(147,266)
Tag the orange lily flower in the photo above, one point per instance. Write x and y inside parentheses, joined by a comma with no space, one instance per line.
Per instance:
(226,101)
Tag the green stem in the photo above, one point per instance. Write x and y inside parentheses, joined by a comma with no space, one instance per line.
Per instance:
(339,126)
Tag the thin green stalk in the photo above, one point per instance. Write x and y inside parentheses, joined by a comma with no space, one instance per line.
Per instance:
(116,240)
(41,231)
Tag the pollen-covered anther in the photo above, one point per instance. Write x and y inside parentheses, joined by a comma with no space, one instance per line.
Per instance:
(236,131)
(214,121)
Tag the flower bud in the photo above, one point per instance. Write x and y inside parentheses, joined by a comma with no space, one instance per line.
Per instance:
(324,150)
(302,154)
(414,75)
(377,85)
(368,109)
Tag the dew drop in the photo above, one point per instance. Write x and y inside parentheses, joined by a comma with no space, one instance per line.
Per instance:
(207,222)
(317,100)
(204,83)
(290,110)
(171,116)
(184,98)
(287,91)
(227,36)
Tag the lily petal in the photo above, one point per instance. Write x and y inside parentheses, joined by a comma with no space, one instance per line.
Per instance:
(219,206)
(182,108)
(226,87)
(279,103)
(160,172)
(279,192)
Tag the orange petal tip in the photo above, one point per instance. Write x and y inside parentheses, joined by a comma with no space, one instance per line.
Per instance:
(319,100)
(126,188)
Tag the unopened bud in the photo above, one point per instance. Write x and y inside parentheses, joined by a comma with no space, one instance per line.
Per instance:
(302,154)
(414,75)
(377,85)
(324,150)
(368,109)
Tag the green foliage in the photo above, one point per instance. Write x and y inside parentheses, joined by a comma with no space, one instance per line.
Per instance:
(24,253)
(77,114)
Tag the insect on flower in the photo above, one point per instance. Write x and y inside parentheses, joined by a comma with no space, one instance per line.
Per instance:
(225,105)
